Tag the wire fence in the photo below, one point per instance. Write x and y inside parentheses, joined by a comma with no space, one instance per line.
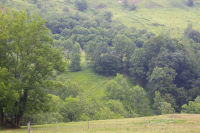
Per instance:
(95,125)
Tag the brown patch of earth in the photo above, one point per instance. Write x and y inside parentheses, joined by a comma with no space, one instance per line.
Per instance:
(101,6)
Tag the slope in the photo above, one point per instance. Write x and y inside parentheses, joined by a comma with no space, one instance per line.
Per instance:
(157,16)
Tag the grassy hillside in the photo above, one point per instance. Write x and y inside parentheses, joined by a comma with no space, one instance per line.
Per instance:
(157,16)
(91,83)
(176,123)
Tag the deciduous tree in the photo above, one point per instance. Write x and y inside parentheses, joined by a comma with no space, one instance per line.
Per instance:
(26,62)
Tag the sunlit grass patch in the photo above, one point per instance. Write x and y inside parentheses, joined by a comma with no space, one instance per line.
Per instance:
(173,123)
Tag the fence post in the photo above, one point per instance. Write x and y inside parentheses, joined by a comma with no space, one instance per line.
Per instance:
(88,124)
(28,127)
(149,123)
(57,124)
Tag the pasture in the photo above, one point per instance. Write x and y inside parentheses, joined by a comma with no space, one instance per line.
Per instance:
(157,16)
(172,123)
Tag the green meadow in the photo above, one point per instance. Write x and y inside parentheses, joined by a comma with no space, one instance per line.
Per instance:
(157,16)
(173,123)
(91,83)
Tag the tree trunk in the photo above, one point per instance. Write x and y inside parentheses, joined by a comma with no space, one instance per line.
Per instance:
(22,107)
(18,120)
(2,117)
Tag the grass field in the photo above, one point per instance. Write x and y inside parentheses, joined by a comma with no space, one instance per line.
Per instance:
(91,83)
(157,16)
(172,123)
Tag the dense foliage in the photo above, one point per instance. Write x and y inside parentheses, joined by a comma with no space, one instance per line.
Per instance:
(192,107)
(27,60)
(134,100)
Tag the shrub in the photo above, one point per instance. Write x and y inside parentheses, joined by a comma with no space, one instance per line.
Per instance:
(132,7)
(81,5)
(192,107)
(190,3)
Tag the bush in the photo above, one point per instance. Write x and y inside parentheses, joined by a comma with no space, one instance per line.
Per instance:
(108,65)
(117,107)
(161,106)
(193,107)
(129,5)
(108,16)
(132,7)
(81,5)
(195,36)
(190,3)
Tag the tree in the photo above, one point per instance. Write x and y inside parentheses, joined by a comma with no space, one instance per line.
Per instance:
(67,89)
(192,107)
(163,64)
(139,66)
(195,36)
(8,95)
(108,64)
(75,64)
(166,108)
(71,110)
(117,107)
(52,115)
(108,16)
(116,88)
(134,99)
(124,48)
(162,79)
(161,106)
(137,100)
(28,58)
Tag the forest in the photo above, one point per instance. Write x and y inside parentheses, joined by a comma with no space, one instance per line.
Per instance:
(143,73)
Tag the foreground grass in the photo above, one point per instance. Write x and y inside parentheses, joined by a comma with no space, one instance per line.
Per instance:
(173,123)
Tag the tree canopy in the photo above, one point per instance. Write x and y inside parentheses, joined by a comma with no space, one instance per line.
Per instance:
(27,59)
